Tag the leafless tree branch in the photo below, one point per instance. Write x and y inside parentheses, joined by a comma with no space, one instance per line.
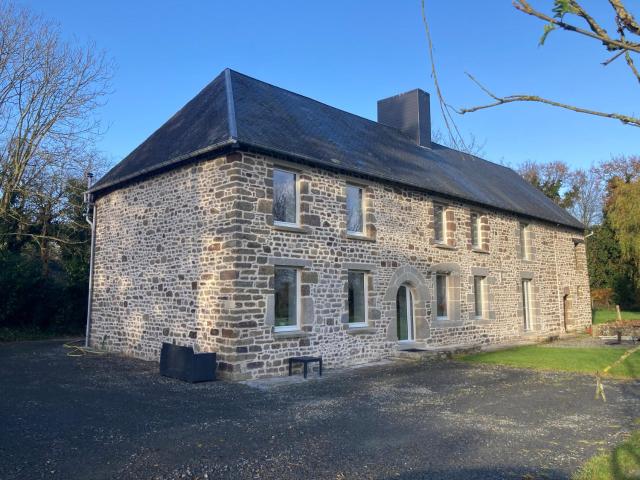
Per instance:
(626,119)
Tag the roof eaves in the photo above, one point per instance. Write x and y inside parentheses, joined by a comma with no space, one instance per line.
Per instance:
(168,163)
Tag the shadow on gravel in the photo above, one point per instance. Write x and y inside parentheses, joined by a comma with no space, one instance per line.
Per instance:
(113,417)
(480,474)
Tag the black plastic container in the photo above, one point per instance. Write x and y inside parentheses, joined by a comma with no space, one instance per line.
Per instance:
(182,363)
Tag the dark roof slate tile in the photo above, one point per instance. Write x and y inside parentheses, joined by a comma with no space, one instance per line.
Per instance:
(235,109)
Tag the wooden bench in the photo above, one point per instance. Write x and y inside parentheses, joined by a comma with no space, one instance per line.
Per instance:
(305,360)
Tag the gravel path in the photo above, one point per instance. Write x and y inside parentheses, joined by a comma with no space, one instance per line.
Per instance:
(113,417)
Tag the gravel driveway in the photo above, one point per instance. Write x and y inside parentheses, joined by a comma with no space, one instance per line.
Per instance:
(113,417)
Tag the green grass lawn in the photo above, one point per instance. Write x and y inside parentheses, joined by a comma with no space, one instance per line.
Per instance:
(609,315)
(621,463)
(583,360)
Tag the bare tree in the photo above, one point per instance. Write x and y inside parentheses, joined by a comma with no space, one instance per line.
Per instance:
(554,179)
(49,91)
(623,167)
(625,44)
(470,145)
(589,186)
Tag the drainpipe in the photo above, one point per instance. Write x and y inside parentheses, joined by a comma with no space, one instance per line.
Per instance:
(90,216)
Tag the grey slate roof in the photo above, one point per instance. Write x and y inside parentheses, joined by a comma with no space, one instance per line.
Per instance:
(237,111)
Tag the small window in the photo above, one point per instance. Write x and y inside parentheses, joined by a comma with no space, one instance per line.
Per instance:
(439,223)
(285,197)
(286,298)
(576,256)
(526,304)
(479,292)
(441,296)
(476,240)
(357,298)
(355,210)
(524,241)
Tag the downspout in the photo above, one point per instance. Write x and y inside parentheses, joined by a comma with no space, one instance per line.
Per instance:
(90,217)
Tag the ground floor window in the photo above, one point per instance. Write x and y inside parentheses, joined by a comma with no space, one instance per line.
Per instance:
(526,303)
(286,285)
(357,298)
(479,292)
(442,301)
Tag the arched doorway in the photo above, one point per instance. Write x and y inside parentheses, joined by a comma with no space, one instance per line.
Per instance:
(404,314)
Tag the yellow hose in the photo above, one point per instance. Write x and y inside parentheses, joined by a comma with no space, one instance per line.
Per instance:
(80,350)
(599,386)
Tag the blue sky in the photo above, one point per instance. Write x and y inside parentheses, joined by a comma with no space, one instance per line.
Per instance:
(351,53)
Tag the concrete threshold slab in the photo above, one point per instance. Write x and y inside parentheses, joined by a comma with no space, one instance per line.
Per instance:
(270,383)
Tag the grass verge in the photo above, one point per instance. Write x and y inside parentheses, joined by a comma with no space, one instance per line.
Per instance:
(609,315)
(582,360)
(621,463)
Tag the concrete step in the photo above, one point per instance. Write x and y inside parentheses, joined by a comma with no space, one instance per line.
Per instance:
(421,353)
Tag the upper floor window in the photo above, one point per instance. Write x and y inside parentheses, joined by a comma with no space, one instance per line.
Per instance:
(476,236)
(285,197)
(357,298)
(442,297)
(439,223)
(287,292)
(524,241)
(355,210)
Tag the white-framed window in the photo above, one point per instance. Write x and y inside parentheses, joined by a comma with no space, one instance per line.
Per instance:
(524,241)
(442,296)
(479,296)
(476,231)
(287,298)
(526,304)
(358,298)
(355,210)
(286,205)
(439,223)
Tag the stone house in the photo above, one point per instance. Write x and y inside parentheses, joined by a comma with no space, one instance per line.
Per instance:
(261,224)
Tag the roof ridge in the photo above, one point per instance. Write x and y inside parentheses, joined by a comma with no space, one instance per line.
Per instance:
(231,109)
(395,130)
(326,104)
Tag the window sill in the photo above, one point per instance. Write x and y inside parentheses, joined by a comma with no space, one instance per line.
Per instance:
(480,250)
(358,236)
(482,321)
(282,334)
(444,246)
(290,228)
(446,323)
(361,330)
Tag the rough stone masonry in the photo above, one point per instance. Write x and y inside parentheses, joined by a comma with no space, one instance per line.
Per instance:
(188,256)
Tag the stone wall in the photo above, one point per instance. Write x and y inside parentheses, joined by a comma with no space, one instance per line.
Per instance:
(162,266)
(200,271)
